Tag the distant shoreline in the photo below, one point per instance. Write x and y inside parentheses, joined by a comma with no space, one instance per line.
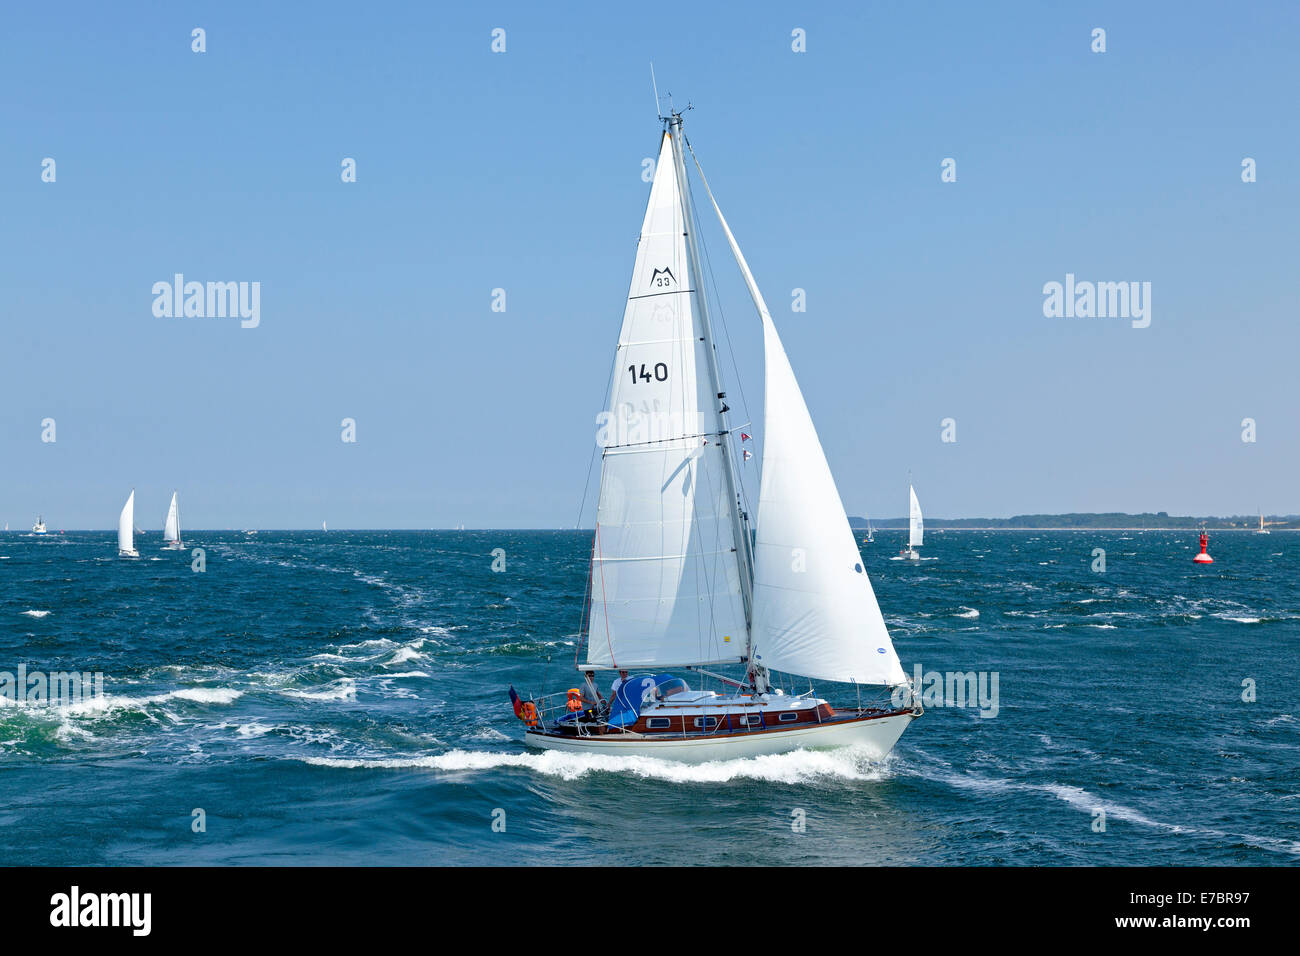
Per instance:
(1194,528)
(1191,529)
(1097,521)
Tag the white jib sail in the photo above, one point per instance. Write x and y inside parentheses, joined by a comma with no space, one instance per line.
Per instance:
(665,580)
(815,612)
(126,525)
(172,527)
(915,527)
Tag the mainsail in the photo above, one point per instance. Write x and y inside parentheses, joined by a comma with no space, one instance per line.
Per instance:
(172,526)
(814,610)
(916,527)
(126,525)
(666,584)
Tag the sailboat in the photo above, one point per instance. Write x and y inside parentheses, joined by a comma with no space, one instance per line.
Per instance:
(39,527)
(915,528)
(323,527)
(871,535)
(1262,529)
(125,526)
(172,526)
(676,580)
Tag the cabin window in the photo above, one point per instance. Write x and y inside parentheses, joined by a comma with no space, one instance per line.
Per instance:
(788,717)
(658,723)
(706,723)
(670,687)
(751,720)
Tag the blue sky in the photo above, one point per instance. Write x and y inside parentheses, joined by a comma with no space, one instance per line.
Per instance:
(522,171)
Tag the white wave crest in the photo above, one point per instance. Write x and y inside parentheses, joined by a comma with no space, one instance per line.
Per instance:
(797,767)
(112,702)
(343,689)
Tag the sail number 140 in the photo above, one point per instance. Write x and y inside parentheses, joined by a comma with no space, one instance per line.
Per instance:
(660,373)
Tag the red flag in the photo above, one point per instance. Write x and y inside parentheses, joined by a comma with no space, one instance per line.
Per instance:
(744,437)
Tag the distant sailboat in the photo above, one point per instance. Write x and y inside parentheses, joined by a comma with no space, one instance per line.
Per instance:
(39,527)
(677,580)
(323,527)
(1262,529)
(125,528)
(915,529)
(172,526)
(871,536)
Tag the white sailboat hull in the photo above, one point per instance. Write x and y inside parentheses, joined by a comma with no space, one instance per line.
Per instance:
(876,735)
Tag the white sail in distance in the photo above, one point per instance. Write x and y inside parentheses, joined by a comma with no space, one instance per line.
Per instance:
(915,526)
(172,526)
(126,526)
(815,612)
(665,587)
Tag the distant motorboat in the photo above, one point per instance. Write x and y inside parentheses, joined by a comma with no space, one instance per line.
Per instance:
(38,528)
(125,528)
(172,526)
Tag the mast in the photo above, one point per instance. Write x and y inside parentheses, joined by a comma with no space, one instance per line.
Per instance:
(739,521)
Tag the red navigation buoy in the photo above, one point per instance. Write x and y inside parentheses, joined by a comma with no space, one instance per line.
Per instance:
(1203,557)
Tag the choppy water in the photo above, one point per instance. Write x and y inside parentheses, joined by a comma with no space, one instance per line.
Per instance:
(341,698)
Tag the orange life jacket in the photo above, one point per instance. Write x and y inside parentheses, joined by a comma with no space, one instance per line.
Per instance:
(575,700)
(528,713)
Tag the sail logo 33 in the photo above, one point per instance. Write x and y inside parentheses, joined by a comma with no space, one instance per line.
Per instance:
(951,689)
(208,300)
(1100,300)
(662,279)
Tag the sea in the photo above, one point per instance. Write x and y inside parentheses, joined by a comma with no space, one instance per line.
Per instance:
(341,698)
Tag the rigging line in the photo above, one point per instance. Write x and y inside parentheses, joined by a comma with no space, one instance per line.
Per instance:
(584,629)
(604,601)
(702,567)
(740,383)
(720,558)
(591,462)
